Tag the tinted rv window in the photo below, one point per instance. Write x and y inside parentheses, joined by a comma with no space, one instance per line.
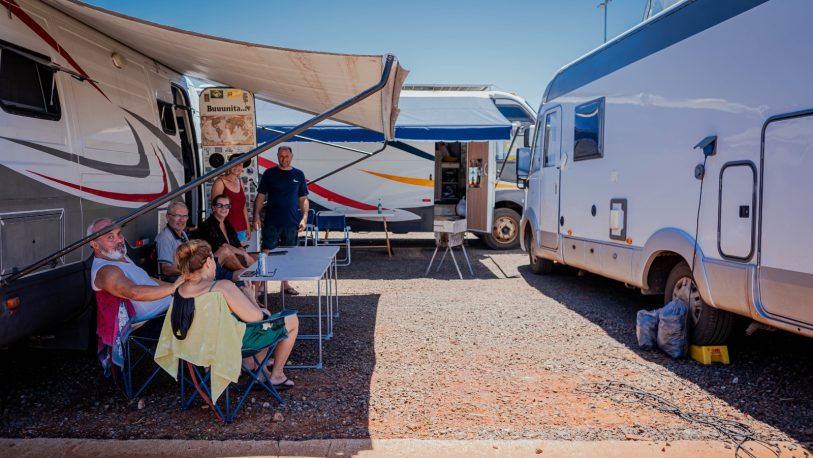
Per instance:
(27,86)
(167,115)
(551,144)
(587,138)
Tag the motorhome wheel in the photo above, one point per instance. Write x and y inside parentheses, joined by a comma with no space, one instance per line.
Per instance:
(707,325)
(539,266)
(504,231)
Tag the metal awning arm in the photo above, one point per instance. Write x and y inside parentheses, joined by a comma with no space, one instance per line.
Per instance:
(385,75)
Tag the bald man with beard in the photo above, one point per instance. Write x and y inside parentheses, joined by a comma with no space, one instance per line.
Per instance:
(117,274)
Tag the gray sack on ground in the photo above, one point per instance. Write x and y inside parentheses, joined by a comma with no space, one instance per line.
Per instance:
(672,332)
(646,328)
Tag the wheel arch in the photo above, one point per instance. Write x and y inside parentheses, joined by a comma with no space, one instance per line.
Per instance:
(665,249)
(526,224)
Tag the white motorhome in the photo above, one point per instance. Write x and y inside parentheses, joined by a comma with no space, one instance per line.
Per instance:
(95,122)
(423,173)
(681,151)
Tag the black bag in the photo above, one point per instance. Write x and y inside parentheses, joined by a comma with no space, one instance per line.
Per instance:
(183,312)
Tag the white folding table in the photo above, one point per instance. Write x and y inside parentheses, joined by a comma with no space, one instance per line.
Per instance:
(304,264)
(375,216)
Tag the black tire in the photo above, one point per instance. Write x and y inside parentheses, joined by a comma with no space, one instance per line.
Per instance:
(504,233)
(707,325)
(539,266)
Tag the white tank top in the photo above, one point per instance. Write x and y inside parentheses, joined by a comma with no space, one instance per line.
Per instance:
(144,309)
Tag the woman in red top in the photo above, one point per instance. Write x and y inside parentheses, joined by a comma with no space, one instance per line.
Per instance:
(230,185)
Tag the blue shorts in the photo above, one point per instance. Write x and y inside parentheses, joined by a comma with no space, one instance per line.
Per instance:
(279,236)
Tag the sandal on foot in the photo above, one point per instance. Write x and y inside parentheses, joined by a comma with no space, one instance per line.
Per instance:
(284,385)
(291,291)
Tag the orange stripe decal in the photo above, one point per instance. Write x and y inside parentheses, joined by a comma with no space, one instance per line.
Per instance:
(400,179)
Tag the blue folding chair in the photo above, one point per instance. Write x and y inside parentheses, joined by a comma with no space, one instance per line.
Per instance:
(334,221)
(311,233)
(133,349)
(199,377)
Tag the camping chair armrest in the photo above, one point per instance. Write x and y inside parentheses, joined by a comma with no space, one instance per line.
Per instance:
(273,317)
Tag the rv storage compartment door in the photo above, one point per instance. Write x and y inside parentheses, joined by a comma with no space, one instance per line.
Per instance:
(736,206)
(27,237)
(480,177)
(786,244)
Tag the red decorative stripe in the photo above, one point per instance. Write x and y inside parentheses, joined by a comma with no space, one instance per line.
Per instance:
(324,192)
(46,37)
(115,195)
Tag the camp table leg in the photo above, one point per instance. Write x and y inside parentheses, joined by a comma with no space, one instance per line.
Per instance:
(429,267)
(454,260)
(387,236)
(466,255)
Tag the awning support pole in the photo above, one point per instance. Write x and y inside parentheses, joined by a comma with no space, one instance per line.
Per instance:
(385,75)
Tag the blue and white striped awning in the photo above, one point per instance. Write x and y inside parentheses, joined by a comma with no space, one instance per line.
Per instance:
(423,116)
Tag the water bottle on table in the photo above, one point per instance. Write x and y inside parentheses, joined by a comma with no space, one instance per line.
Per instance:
(262,268)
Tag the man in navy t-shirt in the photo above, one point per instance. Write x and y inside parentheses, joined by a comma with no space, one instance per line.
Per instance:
(286,211)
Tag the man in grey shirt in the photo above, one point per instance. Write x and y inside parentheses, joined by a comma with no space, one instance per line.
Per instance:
(172,236)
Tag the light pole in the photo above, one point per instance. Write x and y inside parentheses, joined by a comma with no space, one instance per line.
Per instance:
(605,5)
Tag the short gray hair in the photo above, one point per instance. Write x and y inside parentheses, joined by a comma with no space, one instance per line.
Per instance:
(176,203)
(95,222)
(290,150)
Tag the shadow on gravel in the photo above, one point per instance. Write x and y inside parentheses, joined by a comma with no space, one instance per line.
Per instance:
(770,376)
(410,258)
(63,394)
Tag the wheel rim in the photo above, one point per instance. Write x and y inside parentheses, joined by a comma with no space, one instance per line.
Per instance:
(695,301)
(504,229)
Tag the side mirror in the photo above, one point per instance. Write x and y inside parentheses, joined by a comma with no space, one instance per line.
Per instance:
(523,163)
(527,136)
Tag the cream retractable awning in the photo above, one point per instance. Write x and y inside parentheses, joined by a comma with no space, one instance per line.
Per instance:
(304,80)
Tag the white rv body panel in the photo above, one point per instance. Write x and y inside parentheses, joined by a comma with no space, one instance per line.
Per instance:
(402,176)
(105,149)
(725,79)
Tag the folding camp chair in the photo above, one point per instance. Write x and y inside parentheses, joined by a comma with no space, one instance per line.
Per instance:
(311,232)
(125,345)
(334,221)
(199,377)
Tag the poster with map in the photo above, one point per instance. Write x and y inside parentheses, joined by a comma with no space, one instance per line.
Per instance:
(227,117)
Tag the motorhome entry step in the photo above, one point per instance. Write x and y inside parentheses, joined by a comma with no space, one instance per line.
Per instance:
(709,354)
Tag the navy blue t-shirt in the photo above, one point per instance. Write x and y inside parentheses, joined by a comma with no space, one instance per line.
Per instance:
(282,189)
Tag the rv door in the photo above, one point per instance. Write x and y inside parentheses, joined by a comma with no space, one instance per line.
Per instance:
(549,151)
(785,246)
(480,180)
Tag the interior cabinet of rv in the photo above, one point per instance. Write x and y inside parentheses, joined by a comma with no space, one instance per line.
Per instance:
(449,185)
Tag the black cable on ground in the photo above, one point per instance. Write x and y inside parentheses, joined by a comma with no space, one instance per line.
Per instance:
(739,433)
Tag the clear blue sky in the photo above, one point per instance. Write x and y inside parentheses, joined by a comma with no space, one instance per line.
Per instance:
(517,46)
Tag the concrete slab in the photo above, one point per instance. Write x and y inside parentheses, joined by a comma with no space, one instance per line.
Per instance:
(373,448)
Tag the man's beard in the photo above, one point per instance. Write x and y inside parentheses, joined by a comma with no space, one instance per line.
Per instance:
(117,253)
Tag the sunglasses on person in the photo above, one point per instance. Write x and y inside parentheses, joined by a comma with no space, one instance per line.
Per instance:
(222,206)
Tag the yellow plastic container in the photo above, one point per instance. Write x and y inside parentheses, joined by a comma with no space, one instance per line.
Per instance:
(709,354)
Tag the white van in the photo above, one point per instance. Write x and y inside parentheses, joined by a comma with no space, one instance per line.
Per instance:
(422,173)
(682,151)
(95,122)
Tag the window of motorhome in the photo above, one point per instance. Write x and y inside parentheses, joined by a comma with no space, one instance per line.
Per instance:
(27,86)
(588,142)
(550,150)
(536,153)
(167,115)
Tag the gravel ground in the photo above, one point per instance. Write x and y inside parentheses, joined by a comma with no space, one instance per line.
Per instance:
(504,355)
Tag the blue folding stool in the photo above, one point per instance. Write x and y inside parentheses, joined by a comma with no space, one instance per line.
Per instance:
(132,346)
(199,378)
(334,221)
(311,232)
